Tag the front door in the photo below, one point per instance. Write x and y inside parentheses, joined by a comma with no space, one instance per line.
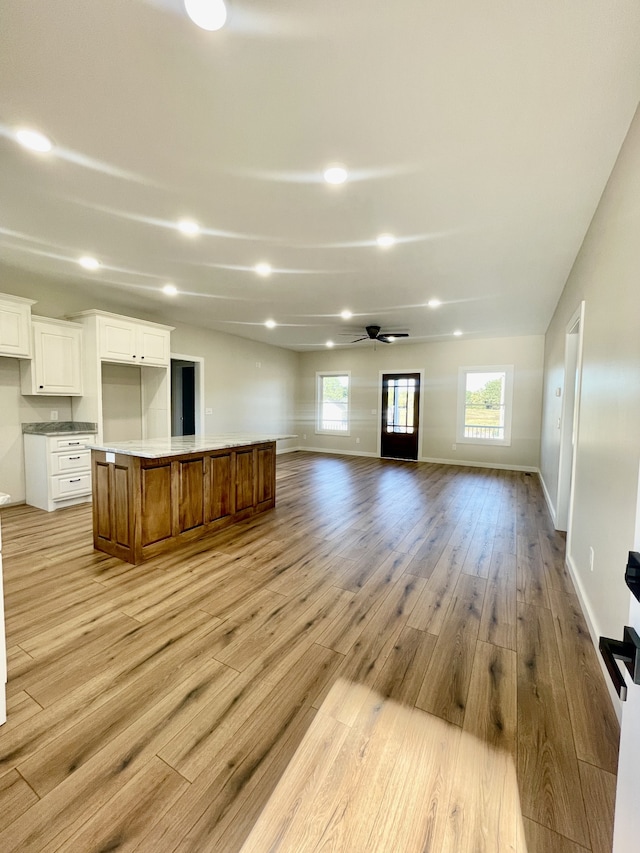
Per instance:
(400,408)
(627,819)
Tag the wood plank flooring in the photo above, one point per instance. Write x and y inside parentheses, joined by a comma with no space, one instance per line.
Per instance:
(394,659)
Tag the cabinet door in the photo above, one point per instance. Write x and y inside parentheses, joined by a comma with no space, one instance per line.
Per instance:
(153,345)
(57,359)
(244,479)
(117,339)
(15,329)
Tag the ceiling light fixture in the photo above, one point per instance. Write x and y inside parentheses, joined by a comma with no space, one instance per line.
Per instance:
(207,14)
(34,141)
(330,344)
(335,174)
(457,333)
(434,303)
(346,314)
(188,227)
(270,324)
(385,241)
(391,338)
(89,263)
(263,269)
(170,289)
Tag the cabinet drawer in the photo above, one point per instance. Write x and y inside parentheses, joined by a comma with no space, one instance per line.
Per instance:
(69,487)
(61,463)
(70,442)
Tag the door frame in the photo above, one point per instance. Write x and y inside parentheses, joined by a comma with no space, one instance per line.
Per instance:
(400,371)
(571,441)
(198,363)
(569,416)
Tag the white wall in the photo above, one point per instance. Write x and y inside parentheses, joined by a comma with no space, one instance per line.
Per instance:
(606,275)
(121,402)
(440,362)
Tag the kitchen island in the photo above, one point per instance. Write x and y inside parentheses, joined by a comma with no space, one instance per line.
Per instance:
(149,496)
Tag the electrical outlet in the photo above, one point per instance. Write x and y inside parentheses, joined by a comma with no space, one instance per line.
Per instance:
(258,364)
(304,437)
(454,446)
(374,411)
(591,558)
(208,411)
(54,414)
(357,441)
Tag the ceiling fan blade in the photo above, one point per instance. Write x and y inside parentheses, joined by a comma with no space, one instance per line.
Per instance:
(383,339)
(397,334)
(357,340)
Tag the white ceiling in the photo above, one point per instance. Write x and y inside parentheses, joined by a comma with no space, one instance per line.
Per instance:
(480,132)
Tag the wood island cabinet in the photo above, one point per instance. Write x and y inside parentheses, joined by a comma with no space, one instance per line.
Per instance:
(144,506)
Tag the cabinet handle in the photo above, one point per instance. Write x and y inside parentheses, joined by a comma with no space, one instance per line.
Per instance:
(73,457)
(73,443)
(77,480)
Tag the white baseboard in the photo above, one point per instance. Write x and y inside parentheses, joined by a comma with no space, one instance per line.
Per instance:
(595,633)
(463,463)
(338,452)
(547,497)
(467,464)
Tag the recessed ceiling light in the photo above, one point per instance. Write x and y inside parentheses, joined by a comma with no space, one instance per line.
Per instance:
(188,227)
(457,333)
(270,324)
(335,175)
(346,314)
(34,141)
(263,269)
(89,263)
(330,344)
(170,289)
(385,241)
(207,14)
(434,303)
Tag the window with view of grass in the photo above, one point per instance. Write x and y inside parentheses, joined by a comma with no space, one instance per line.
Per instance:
(485,397)
(332,403)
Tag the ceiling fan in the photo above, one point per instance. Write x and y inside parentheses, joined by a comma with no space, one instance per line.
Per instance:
(374,333)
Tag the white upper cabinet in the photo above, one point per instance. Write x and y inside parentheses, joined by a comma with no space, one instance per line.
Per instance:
(56,368)
(132,341)
(15,326)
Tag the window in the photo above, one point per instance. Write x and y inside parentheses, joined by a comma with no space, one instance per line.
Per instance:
(333,403)
(484,405)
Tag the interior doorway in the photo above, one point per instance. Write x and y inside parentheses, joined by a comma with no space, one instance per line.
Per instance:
(187,395)
(570,416)
(400,422)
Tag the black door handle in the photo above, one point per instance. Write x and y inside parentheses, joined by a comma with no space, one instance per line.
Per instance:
(628,651)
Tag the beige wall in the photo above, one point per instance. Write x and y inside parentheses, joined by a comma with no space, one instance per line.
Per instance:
(606,275)
(121,402)
(440,362)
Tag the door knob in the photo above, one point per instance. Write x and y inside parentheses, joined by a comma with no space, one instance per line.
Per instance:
(628,651)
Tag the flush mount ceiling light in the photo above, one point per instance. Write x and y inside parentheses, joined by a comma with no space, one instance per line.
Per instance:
(385,241)
(434,303)
(170,289)
(335,174)
(263,269)
(188,227)
(270,324)
(34,141)
(346,314)
(207,14)
(330,344)
(457,333)
(89,263)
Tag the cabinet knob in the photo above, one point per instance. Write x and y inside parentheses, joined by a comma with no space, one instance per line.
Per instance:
(40,386)
(133,356)
(141,356)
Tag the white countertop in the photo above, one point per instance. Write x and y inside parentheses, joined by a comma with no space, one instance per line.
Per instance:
(154,448)
(4,498)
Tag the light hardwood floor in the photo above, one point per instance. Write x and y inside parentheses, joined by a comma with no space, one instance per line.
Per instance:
(394,659)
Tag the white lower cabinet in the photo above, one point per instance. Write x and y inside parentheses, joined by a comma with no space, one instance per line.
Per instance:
(57,470)
(3,646)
